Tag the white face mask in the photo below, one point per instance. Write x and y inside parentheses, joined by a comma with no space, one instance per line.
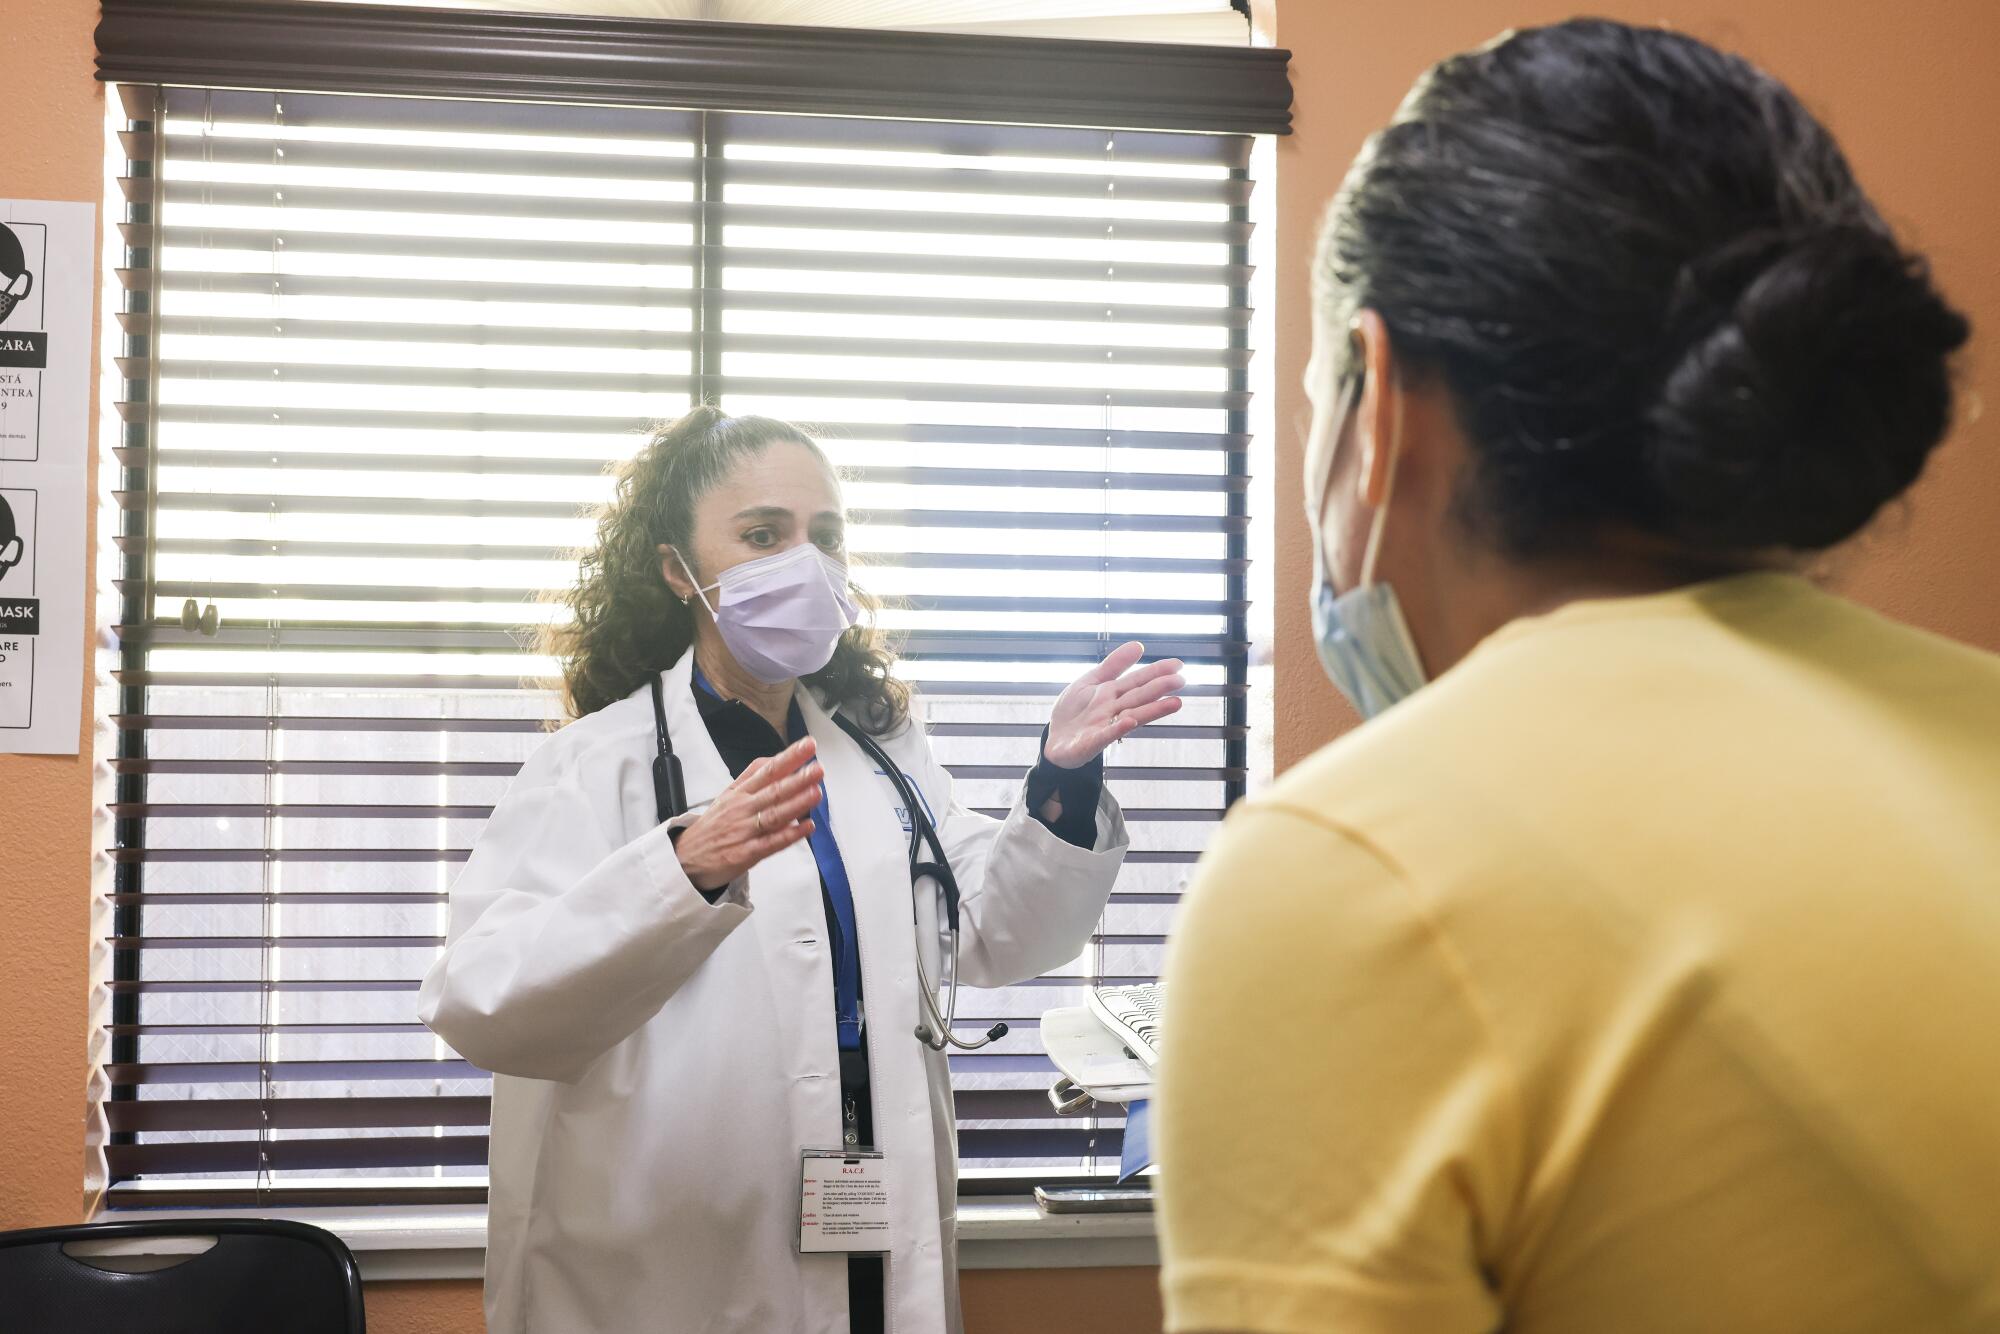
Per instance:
(1363,641)
(781,615)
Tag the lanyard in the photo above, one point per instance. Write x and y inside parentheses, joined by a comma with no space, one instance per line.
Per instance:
(838,894)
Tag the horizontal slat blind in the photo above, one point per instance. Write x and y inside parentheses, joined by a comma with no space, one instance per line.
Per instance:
(379,355)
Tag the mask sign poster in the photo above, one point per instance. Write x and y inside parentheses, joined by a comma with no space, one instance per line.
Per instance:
(45,353)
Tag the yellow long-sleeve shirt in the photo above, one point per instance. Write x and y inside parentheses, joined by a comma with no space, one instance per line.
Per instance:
(1640,974)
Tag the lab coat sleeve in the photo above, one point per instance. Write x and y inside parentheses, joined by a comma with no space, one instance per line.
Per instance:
(1028,901)
(564,937)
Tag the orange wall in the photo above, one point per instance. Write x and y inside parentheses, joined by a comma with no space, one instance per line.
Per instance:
(1907,89)
(51,147)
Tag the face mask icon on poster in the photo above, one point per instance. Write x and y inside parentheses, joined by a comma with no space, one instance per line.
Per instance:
(12,547)
(13,273)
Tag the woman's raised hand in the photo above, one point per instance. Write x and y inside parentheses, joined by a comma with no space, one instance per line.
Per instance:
(1109,700)
(766,810)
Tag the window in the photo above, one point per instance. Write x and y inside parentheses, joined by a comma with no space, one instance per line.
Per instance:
(381,353)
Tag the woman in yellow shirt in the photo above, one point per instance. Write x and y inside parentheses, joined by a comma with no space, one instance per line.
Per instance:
(1637,966)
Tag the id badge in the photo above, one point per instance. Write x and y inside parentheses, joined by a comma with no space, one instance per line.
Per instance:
(843,1202)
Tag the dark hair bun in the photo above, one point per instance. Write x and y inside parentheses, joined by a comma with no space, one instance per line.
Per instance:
(1810,399)
(1659,298)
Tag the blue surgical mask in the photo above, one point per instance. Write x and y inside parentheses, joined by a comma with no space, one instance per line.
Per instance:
(1363,641)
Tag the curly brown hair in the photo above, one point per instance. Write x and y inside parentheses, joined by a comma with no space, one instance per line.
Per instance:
(626,625)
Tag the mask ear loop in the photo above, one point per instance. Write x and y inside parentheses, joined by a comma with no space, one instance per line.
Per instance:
(1374,548)
(1325,475)
(689,572)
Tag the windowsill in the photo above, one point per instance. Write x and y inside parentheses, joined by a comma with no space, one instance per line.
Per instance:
(408,1242)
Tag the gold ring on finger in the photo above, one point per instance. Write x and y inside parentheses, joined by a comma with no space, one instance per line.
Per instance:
(760,821)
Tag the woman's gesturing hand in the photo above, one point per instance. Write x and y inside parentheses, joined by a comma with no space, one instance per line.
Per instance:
(1108,701)
(762,812)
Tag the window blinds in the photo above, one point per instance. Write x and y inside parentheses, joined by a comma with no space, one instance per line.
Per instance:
(381,351)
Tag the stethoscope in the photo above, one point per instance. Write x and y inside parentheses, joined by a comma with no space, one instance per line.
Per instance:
(670,800)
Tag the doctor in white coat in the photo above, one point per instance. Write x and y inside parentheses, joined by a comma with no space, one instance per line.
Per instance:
(674,1011)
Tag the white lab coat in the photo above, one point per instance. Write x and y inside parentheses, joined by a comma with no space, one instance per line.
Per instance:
(660,1060)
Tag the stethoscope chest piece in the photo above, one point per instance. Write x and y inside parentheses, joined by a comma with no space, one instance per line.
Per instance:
(935,1031)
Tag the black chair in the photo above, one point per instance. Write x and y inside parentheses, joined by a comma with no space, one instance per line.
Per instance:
(262,1276)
